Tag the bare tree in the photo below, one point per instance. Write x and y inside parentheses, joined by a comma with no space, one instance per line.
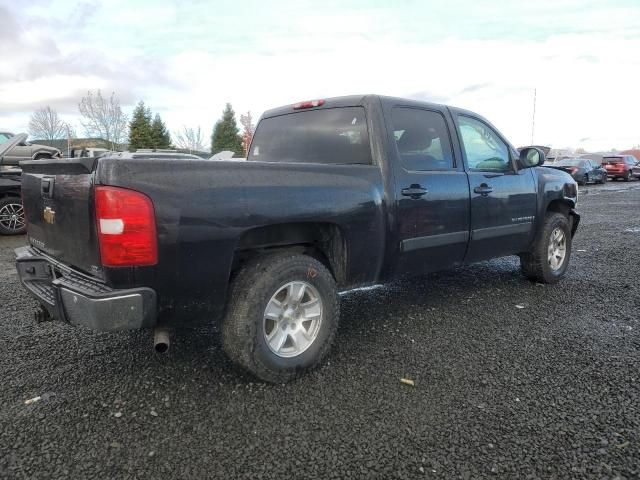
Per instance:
(190,139)
(46,125)
(248,129)
(103,118)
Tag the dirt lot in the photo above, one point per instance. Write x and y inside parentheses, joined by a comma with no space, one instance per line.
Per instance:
(513,380)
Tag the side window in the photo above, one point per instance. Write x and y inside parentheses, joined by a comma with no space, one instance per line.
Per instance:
(485,151)
(422,139)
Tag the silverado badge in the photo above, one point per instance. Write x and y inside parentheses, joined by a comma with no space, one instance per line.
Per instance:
(49,215)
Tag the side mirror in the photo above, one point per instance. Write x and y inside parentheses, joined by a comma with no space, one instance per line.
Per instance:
(531,157)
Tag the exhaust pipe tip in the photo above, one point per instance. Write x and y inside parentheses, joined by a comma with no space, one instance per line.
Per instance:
(161,340)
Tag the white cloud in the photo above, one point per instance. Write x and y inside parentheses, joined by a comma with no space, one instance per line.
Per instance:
(187,67)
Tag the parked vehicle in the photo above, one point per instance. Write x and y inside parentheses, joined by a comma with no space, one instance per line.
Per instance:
(11,211)
(583,170)
(594,157)
(335,194)
(87,152)
(26,151)
(625,167)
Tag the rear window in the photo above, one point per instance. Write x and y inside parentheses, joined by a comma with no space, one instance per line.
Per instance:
(331,135)
(612,160)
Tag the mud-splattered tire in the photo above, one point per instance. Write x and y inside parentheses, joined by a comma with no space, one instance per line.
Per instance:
(548,260)
(271,332)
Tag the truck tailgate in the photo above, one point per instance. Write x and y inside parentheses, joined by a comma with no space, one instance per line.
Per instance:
(58,201)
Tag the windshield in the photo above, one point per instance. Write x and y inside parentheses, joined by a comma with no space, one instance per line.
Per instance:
(570,163)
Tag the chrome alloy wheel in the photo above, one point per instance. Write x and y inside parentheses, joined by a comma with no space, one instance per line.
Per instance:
(292,319)
(12,216)
(557,248)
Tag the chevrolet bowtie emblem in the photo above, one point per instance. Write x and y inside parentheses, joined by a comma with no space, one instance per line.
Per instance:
(49,215)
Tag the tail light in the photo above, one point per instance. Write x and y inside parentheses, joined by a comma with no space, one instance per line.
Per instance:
(126,227)
(573,170)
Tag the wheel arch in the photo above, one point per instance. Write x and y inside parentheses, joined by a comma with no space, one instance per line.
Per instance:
(10,192)
(323,241)
(566,208)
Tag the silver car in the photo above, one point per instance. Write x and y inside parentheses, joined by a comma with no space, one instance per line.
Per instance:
(26,151)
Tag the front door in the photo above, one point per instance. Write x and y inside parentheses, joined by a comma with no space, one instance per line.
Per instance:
(432,192)
(503,198)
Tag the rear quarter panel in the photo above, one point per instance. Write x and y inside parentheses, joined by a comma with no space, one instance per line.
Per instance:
(204,207)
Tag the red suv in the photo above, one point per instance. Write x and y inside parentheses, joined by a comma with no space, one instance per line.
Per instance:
(621,166)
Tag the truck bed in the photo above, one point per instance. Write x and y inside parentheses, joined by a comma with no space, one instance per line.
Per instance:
(205,211)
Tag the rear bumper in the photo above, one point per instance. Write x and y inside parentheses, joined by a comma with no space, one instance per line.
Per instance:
(616,173)
(73,297)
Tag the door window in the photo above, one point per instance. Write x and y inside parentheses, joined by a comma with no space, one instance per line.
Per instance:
(422,139)
(484,149)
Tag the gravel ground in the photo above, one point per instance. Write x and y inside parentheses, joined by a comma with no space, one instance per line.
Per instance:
(512,380)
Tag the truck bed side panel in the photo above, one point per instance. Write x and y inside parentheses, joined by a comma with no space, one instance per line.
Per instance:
(204,207)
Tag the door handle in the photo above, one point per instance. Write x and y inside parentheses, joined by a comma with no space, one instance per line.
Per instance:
(414,191)
(483,189)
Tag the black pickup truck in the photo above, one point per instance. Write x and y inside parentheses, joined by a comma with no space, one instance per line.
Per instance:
(335,194)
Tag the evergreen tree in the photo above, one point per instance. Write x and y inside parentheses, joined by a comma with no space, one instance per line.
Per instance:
(160,137)
(140,135)
(225,134)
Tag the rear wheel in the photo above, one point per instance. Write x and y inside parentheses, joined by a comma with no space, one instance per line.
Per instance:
(282,316)
(548,261)
(12,220)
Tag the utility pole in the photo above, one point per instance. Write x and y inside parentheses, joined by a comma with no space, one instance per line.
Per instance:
(533,119)
(68,140)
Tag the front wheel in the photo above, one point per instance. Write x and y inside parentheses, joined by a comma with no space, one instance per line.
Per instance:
(12,221)
(282,316)
(627,177)
(548,260)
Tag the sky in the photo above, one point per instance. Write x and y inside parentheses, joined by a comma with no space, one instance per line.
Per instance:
(186,59)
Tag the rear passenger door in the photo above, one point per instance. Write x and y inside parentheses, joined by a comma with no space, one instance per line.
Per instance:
(503,198)
(432,191)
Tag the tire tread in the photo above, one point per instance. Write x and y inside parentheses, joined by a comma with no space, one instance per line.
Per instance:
(239,330)
(534,263)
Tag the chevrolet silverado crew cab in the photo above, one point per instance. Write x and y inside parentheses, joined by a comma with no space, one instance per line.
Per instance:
(335,194)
